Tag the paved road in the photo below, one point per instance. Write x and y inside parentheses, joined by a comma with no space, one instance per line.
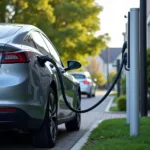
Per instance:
(65,139)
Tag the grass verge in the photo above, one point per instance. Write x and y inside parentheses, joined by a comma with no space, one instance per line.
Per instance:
(113,108)
(113,93)
(114,135)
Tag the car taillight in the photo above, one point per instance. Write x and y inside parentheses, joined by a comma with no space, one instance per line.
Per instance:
(86,82)
(7,109)
(15,57)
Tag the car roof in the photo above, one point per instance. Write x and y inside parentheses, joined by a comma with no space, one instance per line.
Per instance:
(23,28)
(19,25)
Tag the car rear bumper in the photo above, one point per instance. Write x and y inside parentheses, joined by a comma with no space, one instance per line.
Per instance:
(15,118)
(85,90)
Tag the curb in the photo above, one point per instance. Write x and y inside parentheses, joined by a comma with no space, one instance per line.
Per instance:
(109,105)
(84,138)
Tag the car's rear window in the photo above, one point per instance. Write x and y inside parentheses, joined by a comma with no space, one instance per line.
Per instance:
(8,30)
(79,76)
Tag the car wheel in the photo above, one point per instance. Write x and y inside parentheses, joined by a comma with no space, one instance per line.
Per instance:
(89,95)
(93,94)
(74,124)
(46,136)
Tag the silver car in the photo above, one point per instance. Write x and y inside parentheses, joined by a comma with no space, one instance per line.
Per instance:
(87,85)
(30,95)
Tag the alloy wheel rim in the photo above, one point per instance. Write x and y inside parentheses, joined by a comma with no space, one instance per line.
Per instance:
(53,129)
(52,120)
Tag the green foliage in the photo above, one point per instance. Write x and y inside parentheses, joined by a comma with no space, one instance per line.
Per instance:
(123,84)
(121,103)
(70,24)
(100,79)
(148,76)
(94,68)
(74,28)
(112,75)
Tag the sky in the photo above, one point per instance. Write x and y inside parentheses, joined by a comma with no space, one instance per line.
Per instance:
(112,19)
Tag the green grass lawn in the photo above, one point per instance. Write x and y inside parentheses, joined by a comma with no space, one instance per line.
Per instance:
(114,134)
(115,99)
(113,93)
(113,108)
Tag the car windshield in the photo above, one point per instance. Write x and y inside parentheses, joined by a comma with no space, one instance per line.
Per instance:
(79,76)
(8,30)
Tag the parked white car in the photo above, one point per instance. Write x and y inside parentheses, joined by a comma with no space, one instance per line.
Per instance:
(87,85)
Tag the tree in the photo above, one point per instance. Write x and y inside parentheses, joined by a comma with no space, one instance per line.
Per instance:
(112,75)
(3,5)
(94,68)
(70,24)
(74,29)
(100,78)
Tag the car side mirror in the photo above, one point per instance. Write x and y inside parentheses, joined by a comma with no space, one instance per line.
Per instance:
(72,65)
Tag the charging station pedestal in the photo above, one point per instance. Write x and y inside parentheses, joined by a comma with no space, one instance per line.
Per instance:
(134,71)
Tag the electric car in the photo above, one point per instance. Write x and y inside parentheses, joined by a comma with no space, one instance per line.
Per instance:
(30,94)
(87,85)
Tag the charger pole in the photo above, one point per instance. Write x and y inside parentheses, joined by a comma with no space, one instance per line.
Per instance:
(134,71)
(143,67)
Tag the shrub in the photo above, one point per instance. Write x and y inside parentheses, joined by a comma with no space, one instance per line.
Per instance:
(112,75)
(121,103)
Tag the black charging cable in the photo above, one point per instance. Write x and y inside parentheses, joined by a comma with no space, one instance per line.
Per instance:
(42,61)
(125,64)
(124,54)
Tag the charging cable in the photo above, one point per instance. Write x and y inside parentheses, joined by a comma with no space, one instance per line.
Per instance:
(42,61)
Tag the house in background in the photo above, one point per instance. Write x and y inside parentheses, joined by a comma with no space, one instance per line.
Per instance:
(109,57)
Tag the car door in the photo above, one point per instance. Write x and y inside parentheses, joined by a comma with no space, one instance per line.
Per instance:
(39,76)
(64,111)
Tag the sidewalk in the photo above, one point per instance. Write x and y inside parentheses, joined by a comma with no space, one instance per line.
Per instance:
(103,116)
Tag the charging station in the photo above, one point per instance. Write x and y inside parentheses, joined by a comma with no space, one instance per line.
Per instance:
(136,83)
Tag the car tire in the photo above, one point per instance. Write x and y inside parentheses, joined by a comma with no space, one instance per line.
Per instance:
(46,136)
(93,94)
(74,124)
(89,95)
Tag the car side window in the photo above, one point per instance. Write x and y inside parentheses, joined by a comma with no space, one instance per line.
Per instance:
(39,42)
(52,50)
(29,42)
